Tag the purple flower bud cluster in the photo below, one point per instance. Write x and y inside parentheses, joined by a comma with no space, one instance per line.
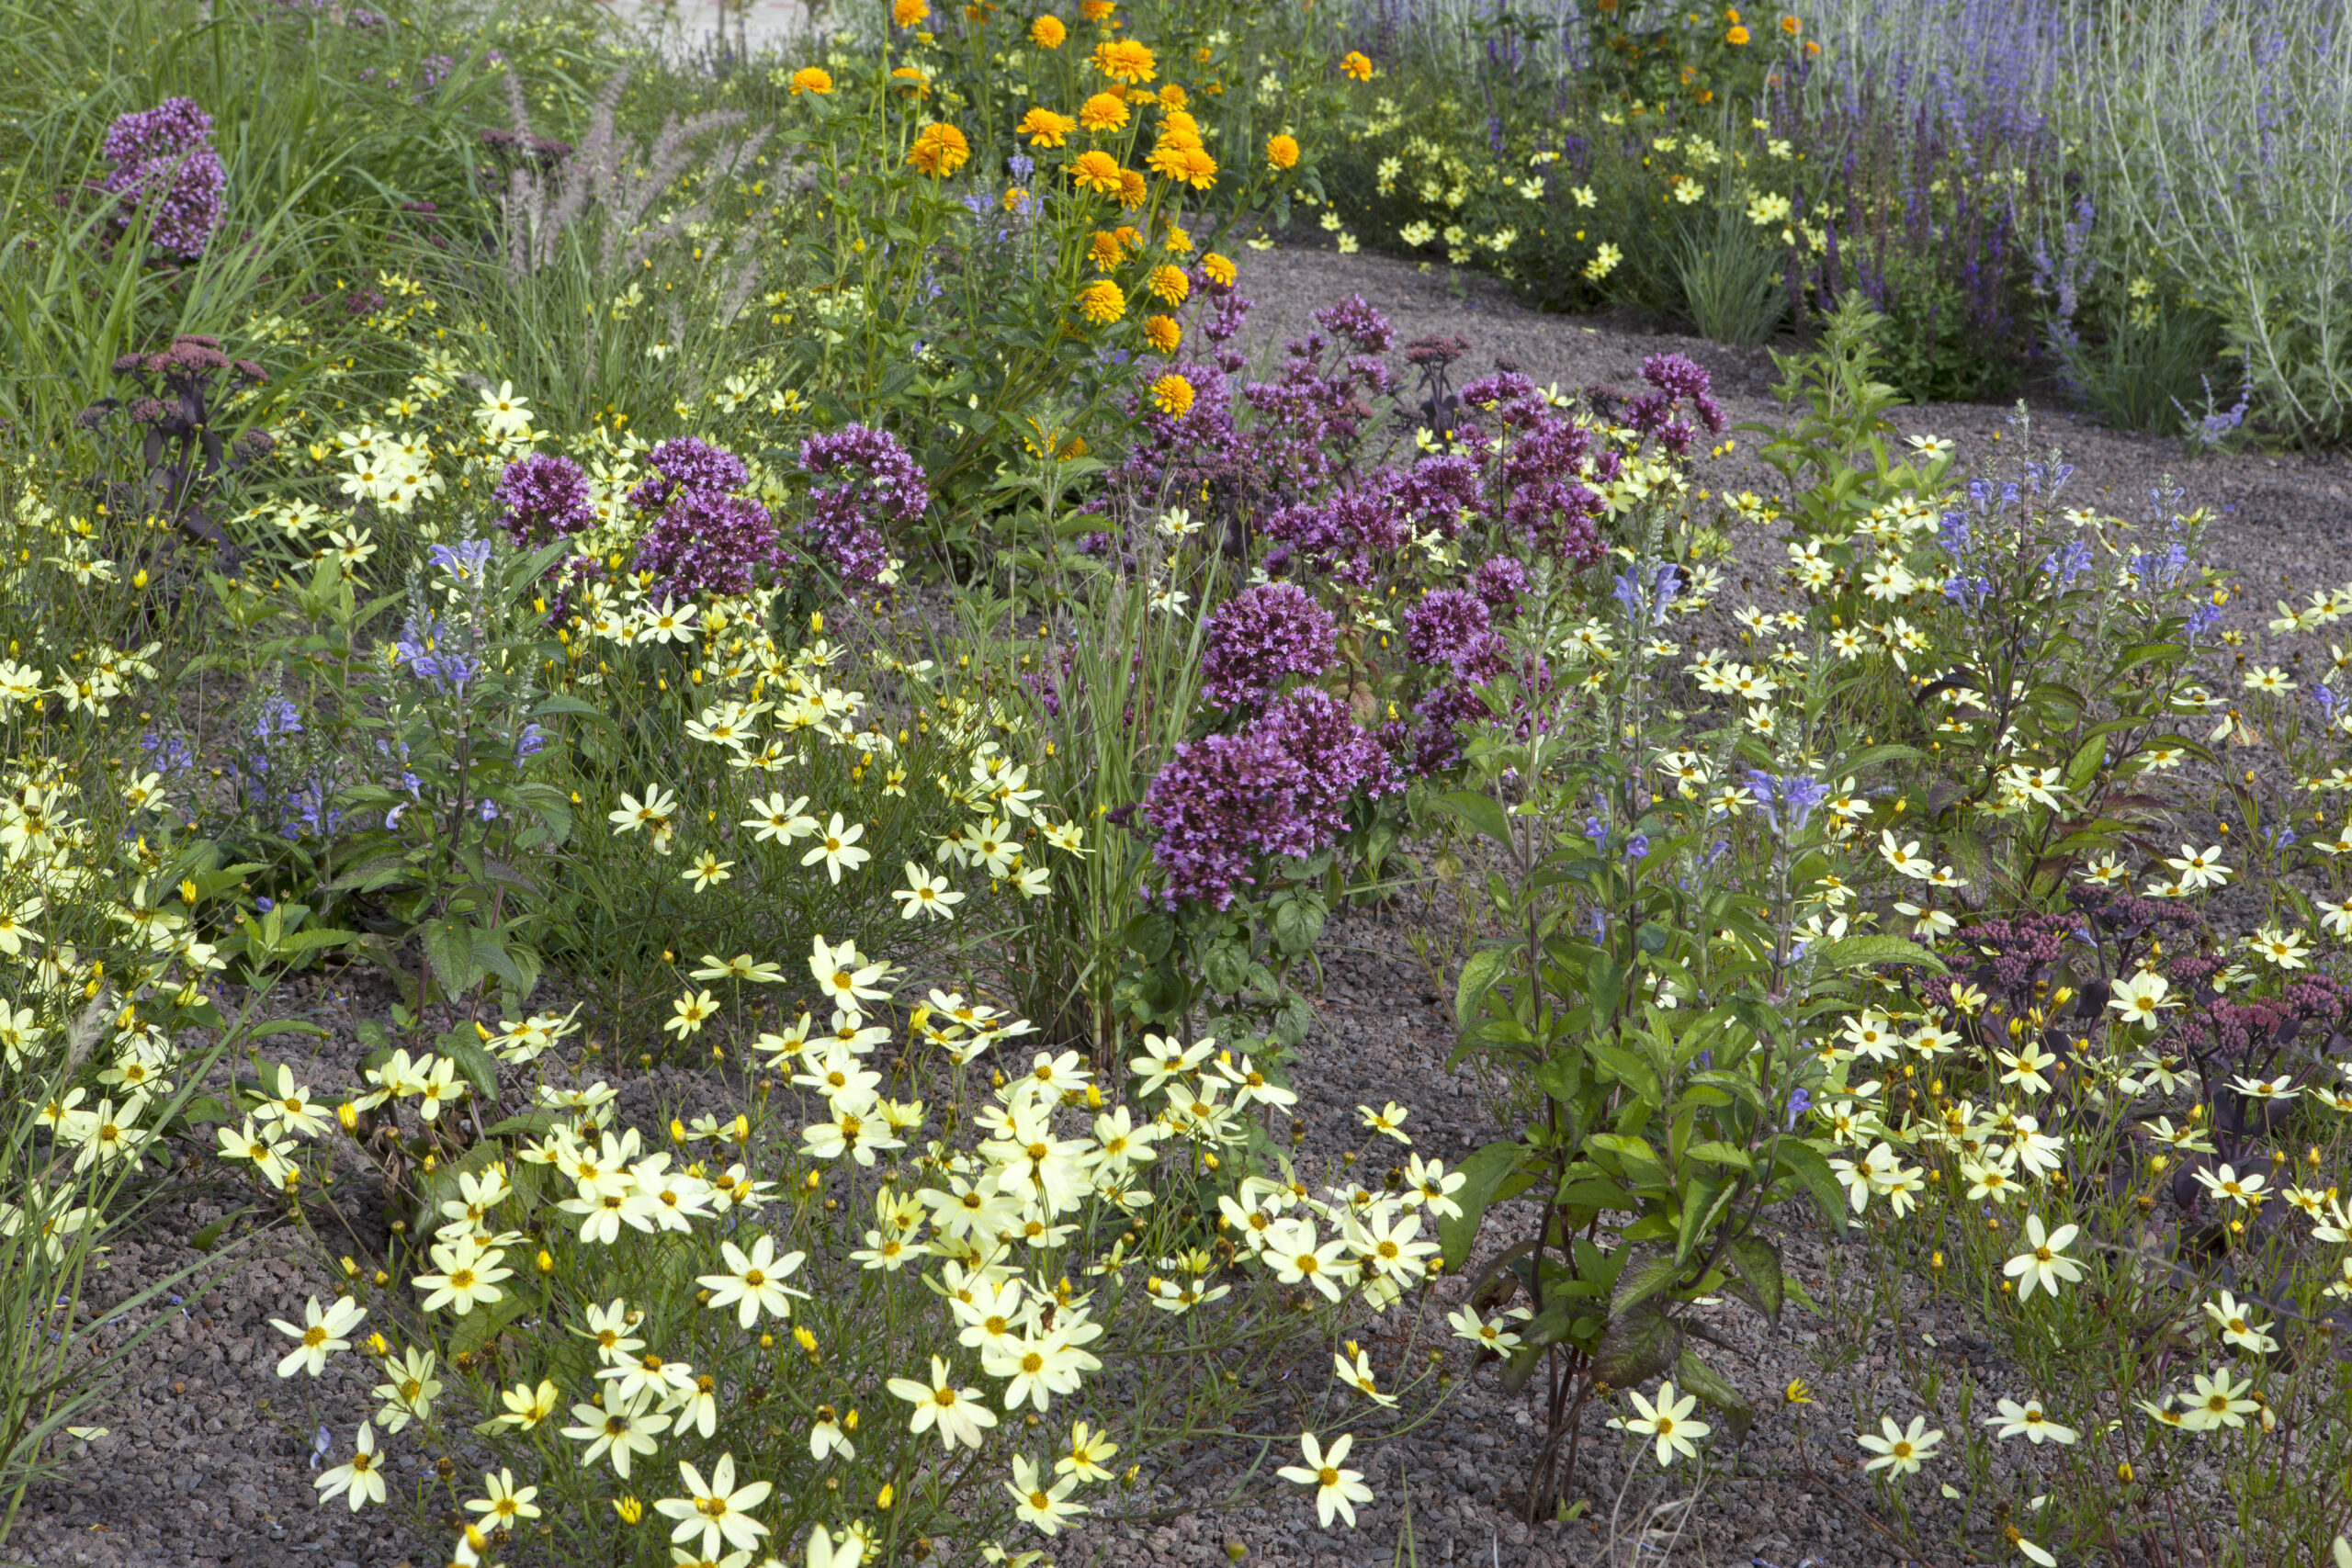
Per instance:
(1258,636)
(1678,381)
(1277,786)
(1446,623)
(874,484)
(164,165)
(1499,581)
(704,539)
(544,498)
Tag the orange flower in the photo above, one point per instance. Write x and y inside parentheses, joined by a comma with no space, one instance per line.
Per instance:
(1281,152)
(1174,97)
(1096,10)
(1104,111)
(1043,128)
(1097,172)
(1172,394)
(1162,333)
(1218,270)
(1737,36)
(1792,26)
(1169,283)
(940,150)
(1102,303)
(907,13)
(1124,60)
(1177,242)
(1812,46)
(1133,192)
(812,79)
(1047,32)
(1356,63)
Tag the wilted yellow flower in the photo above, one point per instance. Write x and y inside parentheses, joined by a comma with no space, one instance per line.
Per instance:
(812,79)
(1043,128)
(1124,60)
(1047,32)
(940,148)
(1282,150)
(1102,303)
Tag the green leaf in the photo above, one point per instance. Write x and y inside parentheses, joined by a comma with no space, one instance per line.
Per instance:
(1853,951)
(1637,1346)
(1806,1163)
(1716,1152)
(1481,1174)
(450,947)
(482,1325)
(1478,974)
(1479,811)
(1640,1282)
(208,1237)
(479,1065)
(1633,1152)
(1695,1376)
(1757,1263)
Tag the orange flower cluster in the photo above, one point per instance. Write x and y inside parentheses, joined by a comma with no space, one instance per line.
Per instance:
(939,151)
(1178,154)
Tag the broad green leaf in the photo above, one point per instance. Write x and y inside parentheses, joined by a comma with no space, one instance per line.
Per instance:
(1806,1163)
(1693,1375)
(1481,1173)
(1757,1263)
(1479,811)
(1637,1346)
(1853,952)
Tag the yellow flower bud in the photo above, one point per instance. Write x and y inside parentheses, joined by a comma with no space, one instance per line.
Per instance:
(883,1498)
(628,1509)
(546,1261)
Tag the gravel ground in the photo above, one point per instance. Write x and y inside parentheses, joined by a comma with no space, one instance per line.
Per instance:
(206,1461)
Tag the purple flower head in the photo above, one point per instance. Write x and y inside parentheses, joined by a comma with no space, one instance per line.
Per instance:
(2068,565)
(707,543)
(873,485)
(1362,327)
(684,465)
(422,656)
(543,498)
(1500,581)
(1261,635)
(1678,381)
(1788,802)
(1438,490)
(1446,623)
(466,560)
(1274,787)
(164,165)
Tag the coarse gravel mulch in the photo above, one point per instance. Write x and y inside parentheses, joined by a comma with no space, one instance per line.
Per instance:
(206,1462)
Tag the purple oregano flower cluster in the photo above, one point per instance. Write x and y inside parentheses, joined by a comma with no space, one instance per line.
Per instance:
(703,538)
(1258,636)
(164,165)
(862,480)
(1276,787)
(544,498)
